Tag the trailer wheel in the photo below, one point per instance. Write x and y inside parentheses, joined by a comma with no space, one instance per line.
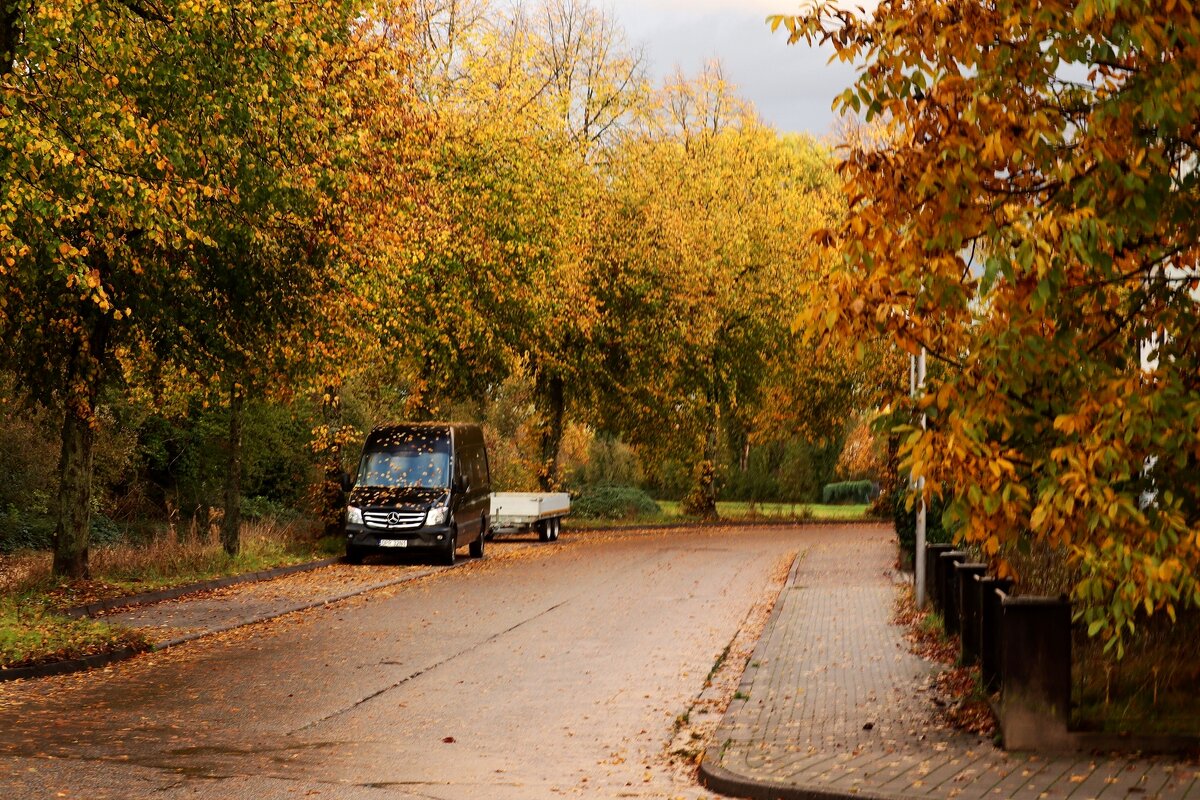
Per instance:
(543,529)
(555,527)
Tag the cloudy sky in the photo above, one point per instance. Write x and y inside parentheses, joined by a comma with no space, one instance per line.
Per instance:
(793,86)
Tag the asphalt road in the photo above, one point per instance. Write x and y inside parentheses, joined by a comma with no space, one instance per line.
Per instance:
(541,672)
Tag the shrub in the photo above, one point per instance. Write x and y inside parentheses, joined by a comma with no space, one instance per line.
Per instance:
(23,530)
(905,520)
(105,531)
(848,492)
(260,508)
(613,502)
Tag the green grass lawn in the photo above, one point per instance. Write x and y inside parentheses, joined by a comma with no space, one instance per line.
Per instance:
(738,509)
(734,511)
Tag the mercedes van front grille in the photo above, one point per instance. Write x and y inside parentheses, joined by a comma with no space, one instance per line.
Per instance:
(393,520)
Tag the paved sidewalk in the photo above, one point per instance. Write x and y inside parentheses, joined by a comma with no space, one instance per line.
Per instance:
(833,704)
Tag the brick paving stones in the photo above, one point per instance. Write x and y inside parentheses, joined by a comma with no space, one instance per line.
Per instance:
(833,704)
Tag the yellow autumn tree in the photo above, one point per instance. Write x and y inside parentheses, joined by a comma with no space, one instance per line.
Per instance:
(707,262)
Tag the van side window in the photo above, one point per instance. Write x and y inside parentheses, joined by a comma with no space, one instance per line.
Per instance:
(485,477)
(475,462)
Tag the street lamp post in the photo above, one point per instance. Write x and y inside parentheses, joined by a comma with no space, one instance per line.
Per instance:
(916,376)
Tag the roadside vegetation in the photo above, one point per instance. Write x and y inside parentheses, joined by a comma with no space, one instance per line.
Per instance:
(746,510)
(423,209)
(670,512)
(34,629)
(487,211)
(1024,213)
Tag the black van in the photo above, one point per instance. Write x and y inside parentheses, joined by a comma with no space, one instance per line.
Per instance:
(420,486)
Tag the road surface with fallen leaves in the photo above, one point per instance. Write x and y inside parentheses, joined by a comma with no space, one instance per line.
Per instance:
(571,669)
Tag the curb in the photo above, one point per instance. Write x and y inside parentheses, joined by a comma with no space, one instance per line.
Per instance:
(125,653)
(714,776)
(191,637)
(70,665)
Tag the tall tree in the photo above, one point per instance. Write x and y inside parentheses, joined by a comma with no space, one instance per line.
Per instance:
(116,165)
(94,212)
(496,277)
(285,247)
(704,271)
(1033,220)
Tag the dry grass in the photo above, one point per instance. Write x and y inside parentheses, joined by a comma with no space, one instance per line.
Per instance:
(34,630)
(168,558)
(1153,688)
(1043,570)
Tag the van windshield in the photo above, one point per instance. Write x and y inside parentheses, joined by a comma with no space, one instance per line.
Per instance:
(406,467)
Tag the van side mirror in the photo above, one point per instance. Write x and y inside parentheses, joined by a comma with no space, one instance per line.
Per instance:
(346,481)
(462,483)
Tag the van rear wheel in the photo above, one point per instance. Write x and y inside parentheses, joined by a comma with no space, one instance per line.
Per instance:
(476,547)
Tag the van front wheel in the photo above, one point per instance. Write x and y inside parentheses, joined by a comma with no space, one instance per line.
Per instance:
(446,557)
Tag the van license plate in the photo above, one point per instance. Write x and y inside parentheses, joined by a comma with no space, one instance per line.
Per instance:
(393,542)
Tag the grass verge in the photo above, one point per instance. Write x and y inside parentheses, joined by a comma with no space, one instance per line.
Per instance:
(739,511)
(34,630)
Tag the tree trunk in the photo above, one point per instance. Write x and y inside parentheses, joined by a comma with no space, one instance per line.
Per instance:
(73,530)
(332,497)
(701,501)
(82,383)
(201,522)
(552,403)
(231,523)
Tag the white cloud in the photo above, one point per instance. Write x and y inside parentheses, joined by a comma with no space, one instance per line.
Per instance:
(793,86)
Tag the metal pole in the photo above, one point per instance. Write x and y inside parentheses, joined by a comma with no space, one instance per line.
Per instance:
(918,384)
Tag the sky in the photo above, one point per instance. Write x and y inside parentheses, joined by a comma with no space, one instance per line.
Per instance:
(792,86)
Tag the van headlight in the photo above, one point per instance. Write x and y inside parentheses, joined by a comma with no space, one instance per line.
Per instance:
(353,516)
(436,516)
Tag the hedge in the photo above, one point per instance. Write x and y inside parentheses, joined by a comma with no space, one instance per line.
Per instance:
(905,520)
(613,502)
(848,492)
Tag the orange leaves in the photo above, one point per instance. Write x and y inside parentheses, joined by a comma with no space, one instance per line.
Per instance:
(1027,223)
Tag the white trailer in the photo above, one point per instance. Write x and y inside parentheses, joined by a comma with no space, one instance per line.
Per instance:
(513,512)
